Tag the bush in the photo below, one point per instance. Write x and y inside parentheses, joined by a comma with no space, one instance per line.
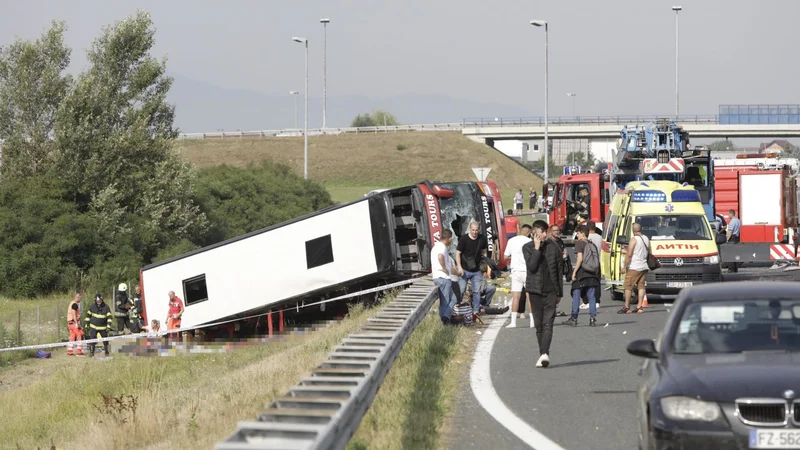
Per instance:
(240,200)
(401,147)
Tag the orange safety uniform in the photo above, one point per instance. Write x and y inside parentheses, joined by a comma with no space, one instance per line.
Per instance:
(173,319)
(75,332)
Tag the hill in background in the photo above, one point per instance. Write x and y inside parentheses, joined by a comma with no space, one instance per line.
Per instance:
(351,165)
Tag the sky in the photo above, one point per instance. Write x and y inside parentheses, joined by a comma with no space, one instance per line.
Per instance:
(617,56)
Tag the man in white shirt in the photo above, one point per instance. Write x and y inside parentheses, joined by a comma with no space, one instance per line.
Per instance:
(519,271)
(440,270)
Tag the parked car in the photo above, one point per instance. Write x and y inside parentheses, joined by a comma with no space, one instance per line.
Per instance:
(725,371)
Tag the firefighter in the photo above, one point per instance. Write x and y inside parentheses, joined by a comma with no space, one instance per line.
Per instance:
(137,321)
(98,319)
(123,309)
(74,325)
(176,310)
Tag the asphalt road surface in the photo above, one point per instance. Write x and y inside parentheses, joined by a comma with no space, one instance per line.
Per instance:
(586,398)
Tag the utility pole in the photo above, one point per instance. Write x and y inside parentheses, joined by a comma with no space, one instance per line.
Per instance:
(677,97)
(325,23)
(542,23)
(304,41)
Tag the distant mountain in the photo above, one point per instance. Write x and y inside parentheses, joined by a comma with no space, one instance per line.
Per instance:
(202,107)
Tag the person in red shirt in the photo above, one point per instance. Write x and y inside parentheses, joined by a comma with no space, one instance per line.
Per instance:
(176,310)
(511,224)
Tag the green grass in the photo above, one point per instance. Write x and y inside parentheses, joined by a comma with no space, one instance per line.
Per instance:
(188,401)
(368,160)
(415,403)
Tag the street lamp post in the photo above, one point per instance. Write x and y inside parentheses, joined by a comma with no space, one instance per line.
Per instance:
(677,103)
(304,41)
(542,23)
(325,23)
(294,94)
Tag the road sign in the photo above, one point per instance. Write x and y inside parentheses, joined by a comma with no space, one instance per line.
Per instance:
(481,172)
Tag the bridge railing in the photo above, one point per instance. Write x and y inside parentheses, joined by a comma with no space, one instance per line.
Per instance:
(322,131)
(585,120)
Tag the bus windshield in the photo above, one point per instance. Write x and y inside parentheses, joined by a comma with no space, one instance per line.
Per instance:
(680,226)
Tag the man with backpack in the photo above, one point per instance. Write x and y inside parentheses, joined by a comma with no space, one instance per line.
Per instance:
(585,277)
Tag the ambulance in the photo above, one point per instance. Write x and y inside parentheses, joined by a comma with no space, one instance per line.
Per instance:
(672,216)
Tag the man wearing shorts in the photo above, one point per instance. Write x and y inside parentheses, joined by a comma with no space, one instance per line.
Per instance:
(518,271)
(635,269)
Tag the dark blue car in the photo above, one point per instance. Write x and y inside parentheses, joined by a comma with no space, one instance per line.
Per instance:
(725,372)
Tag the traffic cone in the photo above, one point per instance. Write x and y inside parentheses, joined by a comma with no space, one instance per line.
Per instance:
(644,302)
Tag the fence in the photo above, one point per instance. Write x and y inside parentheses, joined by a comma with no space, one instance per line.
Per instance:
(586,120)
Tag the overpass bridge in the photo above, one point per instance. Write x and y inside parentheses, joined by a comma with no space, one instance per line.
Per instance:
(494,129)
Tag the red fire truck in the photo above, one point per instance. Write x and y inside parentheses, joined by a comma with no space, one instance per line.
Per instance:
(566,210)
(762,190)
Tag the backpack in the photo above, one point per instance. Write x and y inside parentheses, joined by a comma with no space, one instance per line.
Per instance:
(591,259)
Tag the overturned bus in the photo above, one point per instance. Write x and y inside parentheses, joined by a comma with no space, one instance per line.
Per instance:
(379,239)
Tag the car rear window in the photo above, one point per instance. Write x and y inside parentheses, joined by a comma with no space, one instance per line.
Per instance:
(739,326)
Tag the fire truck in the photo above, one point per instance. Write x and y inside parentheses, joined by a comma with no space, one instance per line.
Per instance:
(763,191)
(657,151)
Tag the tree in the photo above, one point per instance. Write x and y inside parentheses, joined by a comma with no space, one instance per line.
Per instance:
(581,159)
(240,200)
(721,146)
(114,135)
(376,118)
(32,86)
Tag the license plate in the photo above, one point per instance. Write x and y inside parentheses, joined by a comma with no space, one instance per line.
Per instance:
(774,438)
(679,284)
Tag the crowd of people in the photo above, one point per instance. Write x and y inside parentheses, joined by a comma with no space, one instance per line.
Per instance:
(98,319)
(538,267)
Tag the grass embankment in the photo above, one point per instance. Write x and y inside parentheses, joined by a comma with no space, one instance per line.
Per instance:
(351,165)
(51,327)
(194,401)
(415,404)
(181,402)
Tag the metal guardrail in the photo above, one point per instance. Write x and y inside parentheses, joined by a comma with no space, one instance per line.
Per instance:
(322,131)
(474,122)
(324,410)
(585,120)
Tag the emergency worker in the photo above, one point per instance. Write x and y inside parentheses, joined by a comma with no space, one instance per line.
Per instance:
(137,321)
(98,319)
(74,325)
(582,206)
(123,309)
(175,312)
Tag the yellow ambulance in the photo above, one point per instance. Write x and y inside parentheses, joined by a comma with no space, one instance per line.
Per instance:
(672,217)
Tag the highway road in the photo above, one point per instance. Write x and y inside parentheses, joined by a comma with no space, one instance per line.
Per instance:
(584,400)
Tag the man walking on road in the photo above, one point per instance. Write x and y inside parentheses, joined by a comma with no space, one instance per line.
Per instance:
(635,269)
(440,270)
(544,285)
(519,271)
(471,249)
(585,277)
(734,228)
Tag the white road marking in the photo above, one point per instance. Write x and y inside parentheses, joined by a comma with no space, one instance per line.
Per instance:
(668,306)
(480,379)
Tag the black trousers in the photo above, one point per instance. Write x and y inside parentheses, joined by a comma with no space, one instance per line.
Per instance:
(732,266)
(544,314)
(122,322)
(93,335)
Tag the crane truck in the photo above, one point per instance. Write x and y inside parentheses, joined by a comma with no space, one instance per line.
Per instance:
(657,151)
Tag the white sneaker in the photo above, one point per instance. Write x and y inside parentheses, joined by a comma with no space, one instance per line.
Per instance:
(584,306)
(533,325)
(543,361)
(511,325)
